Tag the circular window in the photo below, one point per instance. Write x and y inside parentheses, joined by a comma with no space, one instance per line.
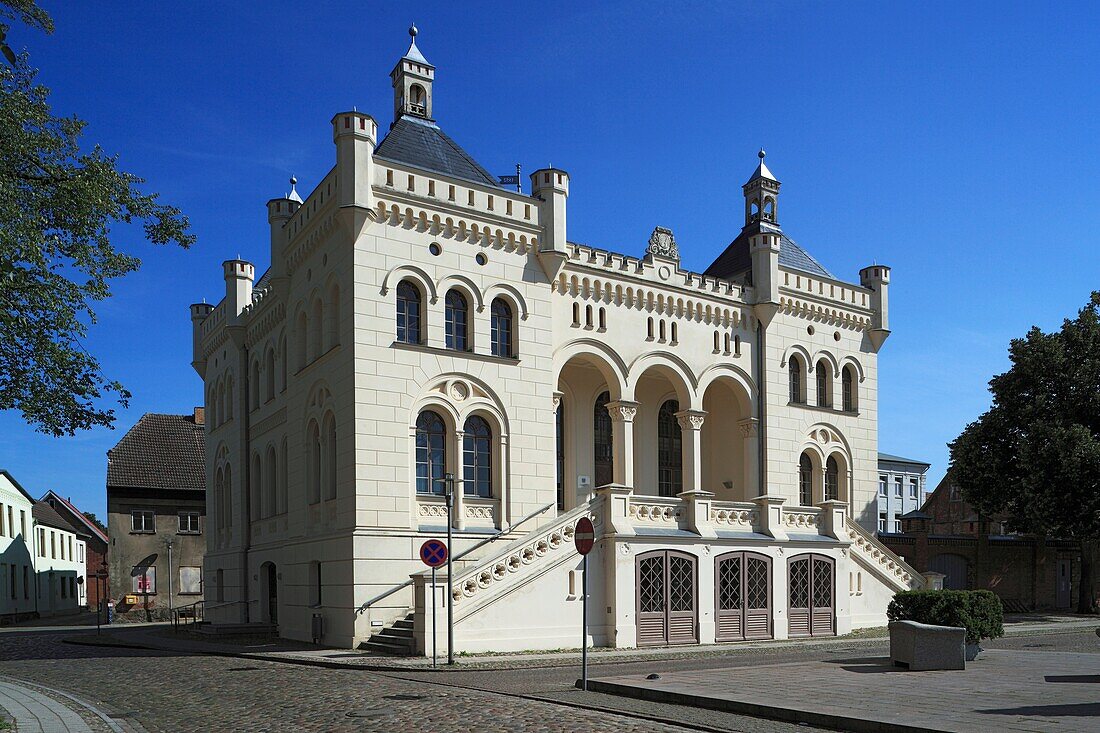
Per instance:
(481,259)
(810,330)
(435,249)
(836,335)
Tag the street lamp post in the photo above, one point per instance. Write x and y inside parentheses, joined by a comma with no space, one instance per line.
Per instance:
(168,544)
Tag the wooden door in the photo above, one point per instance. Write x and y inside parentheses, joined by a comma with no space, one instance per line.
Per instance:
(811,594)
(667,598)
(742,584)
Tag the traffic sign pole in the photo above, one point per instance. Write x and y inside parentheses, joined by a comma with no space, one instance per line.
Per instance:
(450,484)
(584,535)
(433,619)
(584,626)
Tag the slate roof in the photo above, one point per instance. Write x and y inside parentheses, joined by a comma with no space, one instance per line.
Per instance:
(735,260)
(899,459)
(159,452)
(421,144)
(45,514)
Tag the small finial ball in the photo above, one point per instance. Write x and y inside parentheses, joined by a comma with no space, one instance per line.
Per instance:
(761,154)
(412,30)
(293,181)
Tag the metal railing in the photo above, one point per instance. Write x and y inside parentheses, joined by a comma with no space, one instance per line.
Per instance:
(197,613)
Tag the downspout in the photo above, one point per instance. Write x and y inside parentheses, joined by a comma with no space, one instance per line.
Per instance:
(761,409)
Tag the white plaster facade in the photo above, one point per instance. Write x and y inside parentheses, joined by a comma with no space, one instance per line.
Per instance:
(314,397)
(17,582)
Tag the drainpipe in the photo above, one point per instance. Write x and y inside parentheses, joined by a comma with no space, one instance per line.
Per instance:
(761,408)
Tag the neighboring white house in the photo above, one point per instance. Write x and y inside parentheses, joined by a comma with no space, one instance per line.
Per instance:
(901,489)
(59,562)
(17,582)
(418,321)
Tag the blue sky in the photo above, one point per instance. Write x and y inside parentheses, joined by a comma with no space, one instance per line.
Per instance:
(959,145)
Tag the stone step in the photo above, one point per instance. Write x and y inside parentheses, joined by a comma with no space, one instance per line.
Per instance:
(386,647)
(251,629)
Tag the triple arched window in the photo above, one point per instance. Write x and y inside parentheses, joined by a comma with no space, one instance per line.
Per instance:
(796,381)
(848,389)
(457,324)
(670,454)
(824,385)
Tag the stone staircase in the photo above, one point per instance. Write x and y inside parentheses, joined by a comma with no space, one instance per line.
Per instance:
(395,640)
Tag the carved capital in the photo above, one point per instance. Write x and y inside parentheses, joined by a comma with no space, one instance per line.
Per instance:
(557,400)
(622,410)
(691,419)
(748,426)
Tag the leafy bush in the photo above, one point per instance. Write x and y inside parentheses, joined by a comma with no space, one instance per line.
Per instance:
(978,611)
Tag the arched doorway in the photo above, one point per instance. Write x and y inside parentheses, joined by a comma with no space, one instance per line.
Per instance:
(742,588)
(811,594)
(269,592)
(667,598)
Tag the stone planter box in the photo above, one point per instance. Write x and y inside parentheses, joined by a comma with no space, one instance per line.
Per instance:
(923,647)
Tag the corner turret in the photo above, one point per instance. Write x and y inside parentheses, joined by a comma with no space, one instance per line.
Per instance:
(877,279)
(279,212)
(550,187)
(199,312)
(239,276)
(355,135)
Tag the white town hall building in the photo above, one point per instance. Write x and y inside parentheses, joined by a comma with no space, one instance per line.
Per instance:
(418,320)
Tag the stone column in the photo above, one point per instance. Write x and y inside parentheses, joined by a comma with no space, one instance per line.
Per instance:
(751,443)
(622,414)
(504,515)
(691,426)
(458,518)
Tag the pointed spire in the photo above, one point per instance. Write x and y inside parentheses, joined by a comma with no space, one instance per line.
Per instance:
(761,170)
(413,54)
(293,195)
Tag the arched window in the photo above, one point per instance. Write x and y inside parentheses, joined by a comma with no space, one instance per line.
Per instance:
(269,375)
(227,496)
(670,454)
(431,453)
(219,498)
(270,479)
(280,501)
(848,388)
(283,357)
(603,319)
(796,380)
(832,479)
(559,435)
(805,481)
(408,313)
(332,317)
(330,456)
(824,391)
(602,441)
(316,329)
(456,312)
(576,314)
(228,414)
(254,487)
(477,457)
(301,334)
(501,328)
(254,384)
(313,448)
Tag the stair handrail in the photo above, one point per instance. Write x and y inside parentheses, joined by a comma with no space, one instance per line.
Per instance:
(177,612)
(886,551)
(386,594)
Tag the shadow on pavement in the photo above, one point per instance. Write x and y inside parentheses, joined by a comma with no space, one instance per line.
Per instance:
(867,665)
(1078,710)
(1086,678)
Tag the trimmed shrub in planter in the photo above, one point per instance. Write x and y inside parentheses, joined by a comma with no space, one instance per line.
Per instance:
(978,611)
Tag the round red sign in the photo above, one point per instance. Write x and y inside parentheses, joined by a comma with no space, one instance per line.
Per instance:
(584,535)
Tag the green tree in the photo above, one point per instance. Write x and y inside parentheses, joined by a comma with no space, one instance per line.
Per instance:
(91,517)
(58,205)
(1035,455)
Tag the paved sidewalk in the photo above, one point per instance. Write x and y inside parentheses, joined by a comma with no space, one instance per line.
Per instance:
(161,637)
(1004,690)
(36,713)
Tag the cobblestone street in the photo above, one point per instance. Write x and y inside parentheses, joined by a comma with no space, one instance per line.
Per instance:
(156,691)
